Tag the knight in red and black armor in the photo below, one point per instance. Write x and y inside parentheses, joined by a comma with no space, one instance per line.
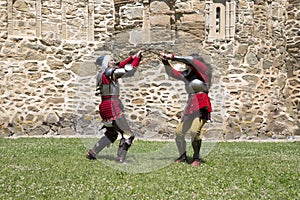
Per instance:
(111,107)
(197,79)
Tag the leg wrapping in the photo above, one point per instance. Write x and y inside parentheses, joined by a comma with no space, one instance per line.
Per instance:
(196,147)
(181,146)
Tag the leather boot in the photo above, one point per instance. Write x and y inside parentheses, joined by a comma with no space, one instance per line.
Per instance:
(196,157)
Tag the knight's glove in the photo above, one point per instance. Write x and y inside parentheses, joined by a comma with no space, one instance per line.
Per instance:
(167,56)
(139,54)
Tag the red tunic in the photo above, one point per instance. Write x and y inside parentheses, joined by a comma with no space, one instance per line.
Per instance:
(198,102)
(110,107)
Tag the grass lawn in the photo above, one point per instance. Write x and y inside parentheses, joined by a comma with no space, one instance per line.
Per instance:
(52,168)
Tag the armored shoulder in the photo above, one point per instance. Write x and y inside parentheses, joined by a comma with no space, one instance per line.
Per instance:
(198,86)
(119,72)
(109,71)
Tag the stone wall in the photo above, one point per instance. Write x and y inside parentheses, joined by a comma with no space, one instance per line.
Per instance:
(257,76)
(48,49)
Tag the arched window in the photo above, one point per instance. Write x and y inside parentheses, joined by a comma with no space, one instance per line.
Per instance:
(220,22)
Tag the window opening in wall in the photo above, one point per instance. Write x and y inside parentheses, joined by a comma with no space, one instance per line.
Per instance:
(220,19)
(218,11)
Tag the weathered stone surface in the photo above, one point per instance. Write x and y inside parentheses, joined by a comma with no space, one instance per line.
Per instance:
(47,74)
(55,100)
(251,58)
(160,20)
(66,131)
(39,130)
(21,5)
(214,134)
(84,69)
(242,50)
(52,118)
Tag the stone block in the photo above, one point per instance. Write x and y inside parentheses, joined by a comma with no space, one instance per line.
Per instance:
(159,7)
(55,100)
(251,58)
(134,13)
(242,50)
(66,131)
(160,21)
(229,136)
(52,118)
(215,134)
(84,68)
(39,130)
(21,5)
(64,76)
(195,18)
(136,36)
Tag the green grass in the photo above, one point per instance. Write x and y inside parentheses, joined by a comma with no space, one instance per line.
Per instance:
(49,168)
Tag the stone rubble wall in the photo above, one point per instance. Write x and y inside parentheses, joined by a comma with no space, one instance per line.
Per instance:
(47,74)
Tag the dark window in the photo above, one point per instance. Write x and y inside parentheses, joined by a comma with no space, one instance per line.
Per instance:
(218,24)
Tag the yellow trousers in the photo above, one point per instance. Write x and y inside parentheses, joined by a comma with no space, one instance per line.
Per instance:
(192,127)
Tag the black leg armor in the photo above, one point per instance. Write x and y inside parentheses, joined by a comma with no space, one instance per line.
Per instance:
(110,137)
(111,134)
(101,144)
(121,145)
(196,146)
(124,145)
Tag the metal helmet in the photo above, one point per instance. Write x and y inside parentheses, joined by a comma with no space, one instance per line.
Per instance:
(103,61)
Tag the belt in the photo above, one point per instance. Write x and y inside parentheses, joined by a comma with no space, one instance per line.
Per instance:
(110,98)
